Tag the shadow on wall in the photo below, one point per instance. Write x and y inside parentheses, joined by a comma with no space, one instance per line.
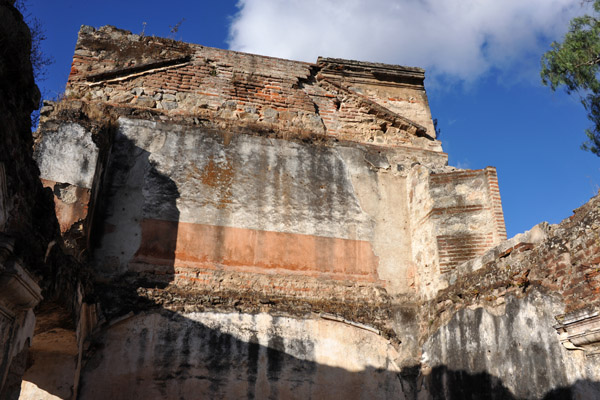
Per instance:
(133,196)
(166,355)
(138,235)
(444,383)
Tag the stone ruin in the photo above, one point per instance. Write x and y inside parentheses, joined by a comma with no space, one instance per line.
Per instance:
(228,225)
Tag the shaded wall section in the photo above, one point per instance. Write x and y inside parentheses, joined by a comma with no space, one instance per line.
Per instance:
(34,268)
(233,355)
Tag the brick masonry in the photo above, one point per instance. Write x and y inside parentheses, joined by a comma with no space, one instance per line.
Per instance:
(475,199)
(274,93)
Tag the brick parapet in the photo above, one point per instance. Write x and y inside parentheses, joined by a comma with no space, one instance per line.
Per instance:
(467,215)
(496,202)
(456,249)
(116,67)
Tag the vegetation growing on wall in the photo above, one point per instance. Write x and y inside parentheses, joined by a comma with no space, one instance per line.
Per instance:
(39,60)
(575,64)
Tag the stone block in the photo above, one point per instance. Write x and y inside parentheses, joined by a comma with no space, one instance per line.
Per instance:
(145,101)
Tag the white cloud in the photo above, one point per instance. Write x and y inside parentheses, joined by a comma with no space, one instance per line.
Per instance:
(456,39)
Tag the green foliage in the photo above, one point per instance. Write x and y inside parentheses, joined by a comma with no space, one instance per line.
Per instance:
(575,64)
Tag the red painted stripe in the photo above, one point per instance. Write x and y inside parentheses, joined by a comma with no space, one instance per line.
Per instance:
(209,246)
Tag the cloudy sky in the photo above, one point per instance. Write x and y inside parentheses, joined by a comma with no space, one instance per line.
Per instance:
(482,59)
(459,39)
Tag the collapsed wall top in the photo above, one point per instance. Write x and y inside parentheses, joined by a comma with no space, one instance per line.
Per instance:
(347,100)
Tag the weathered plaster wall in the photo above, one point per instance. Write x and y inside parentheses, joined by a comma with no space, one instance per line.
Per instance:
(79,168)
(517,322)
(223,192)
(180,196)
(521,320)
(70,177)
(514,345)
(233,355)
(293,196)
(423,233)
(188,197)
(320,227)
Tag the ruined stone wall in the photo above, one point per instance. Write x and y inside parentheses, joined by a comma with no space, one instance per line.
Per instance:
(212,190)
(233,355)
(461,212)
(509,325)
(22,243)
(30,245)
(397,89)
(265,228)
(461,196)
(250,163)
(117,67)
(524,312)
(42,289)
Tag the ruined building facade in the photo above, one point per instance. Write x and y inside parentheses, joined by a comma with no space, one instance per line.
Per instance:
(251,227)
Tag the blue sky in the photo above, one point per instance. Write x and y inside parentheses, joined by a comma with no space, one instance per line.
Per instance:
(481,56)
